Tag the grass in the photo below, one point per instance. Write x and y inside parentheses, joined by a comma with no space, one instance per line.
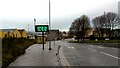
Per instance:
(106,43)
(93,41)
(13,48)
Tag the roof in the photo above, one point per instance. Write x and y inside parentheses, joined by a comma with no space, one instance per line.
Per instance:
(7,30)
(21,30)
(52,31)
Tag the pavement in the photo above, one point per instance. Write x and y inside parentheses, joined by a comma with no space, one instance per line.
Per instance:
(36,56)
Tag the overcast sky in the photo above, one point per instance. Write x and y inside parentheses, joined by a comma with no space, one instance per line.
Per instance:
(20,13)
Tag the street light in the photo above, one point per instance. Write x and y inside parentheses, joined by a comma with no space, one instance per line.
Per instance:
(49,25)
(105,30)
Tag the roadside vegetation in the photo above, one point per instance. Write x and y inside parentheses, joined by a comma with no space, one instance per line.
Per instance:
(107,43)
(13,48)
(99,41)
(102,30)
(105,25)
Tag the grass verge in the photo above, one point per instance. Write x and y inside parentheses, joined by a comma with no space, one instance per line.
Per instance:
(107,43)
(93,41)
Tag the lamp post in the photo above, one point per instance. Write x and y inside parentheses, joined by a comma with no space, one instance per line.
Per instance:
(105,30)
(49,25)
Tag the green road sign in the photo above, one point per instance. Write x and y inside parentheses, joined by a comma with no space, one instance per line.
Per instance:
(41,28)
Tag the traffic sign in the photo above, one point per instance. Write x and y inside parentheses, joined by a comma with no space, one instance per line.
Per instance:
(41,28)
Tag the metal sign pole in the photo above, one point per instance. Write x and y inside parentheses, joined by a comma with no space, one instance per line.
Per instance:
(43,39)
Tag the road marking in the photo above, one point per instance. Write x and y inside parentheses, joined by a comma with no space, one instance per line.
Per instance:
(67,57)
(92,49)
(71,47)
(63,59)
(105,53)
(110,55)
(100,47)
(71,57)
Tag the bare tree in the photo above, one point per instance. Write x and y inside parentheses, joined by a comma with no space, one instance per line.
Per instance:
(80,26)
(106,23)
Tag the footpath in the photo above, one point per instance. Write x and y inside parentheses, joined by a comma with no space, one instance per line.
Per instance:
(36,56)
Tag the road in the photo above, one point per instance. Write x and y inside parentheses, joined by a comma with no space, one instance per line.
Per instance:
(89,55)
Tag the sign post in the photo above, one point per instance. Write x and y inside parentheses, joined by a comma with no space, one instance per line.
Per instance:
(41,28)
(43,39)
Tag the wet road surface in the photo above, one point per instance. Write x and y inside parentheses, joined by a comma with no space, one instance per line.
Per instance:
(89,55)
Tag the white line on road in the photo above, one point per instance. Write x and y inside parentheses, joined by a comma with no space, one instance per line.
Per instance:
(100,47)
(71,57)
(110,55)
(71,47)
(67,57)
(105,53)
(63,59)
(92,49)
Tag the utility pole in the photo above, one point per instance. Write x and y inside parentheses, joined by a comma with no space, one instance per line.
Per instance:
(34,24)
(105,30)
(28,28)
(34,30)
(49,24)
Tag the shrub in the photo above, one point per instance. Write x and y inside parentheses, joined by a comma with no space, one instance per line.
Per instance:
(12,48)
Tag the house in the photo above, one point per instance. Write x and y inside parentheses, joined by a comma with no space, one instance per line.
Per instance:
(5,33)
(117,33)
(64,34)
(40,39)
(9,33)
(23,33)
(89,32)
(2,34)
(31,35)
